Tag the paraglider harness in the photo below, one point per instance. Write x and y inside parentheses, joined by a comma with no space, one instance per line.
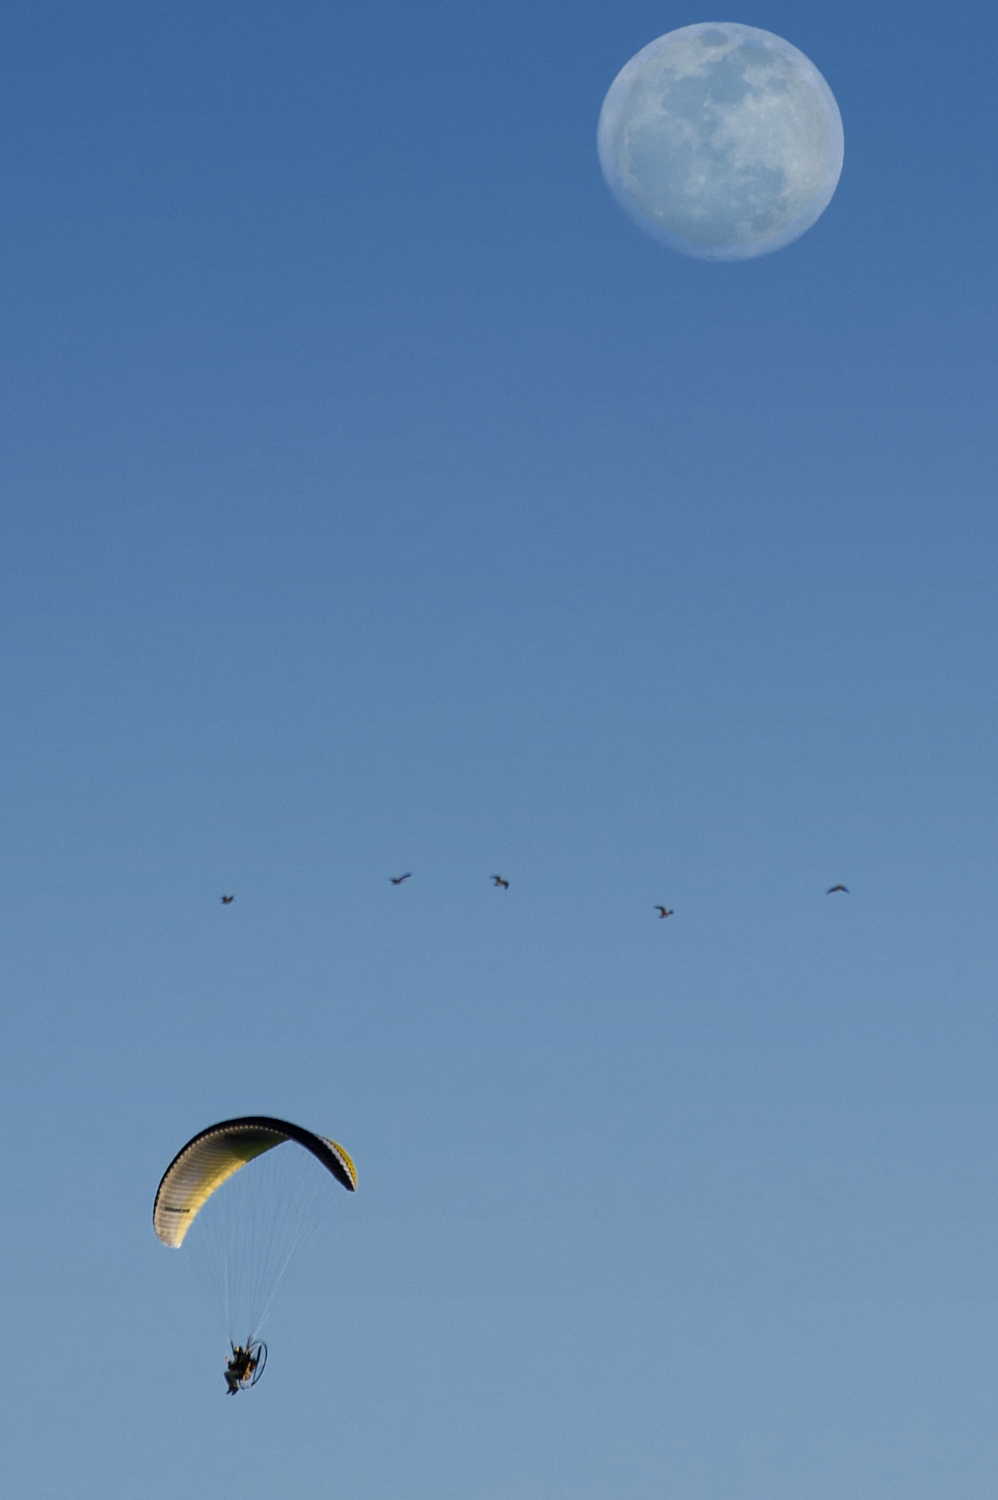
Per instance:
(245,1366)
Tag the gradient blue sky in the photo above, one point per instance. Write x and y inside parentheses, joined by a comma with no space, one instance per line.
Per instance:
(376,497)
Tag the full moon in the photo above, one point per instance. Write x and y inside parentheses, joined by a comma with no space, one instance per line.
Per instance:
(722,140)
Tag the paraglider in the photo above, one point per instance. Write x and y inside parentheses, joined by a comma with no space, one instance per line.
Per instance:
(244,1367)
(243,1241)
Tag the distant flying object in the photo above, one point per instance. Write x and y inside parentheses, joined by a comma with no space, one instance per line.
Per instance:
(498,880)
(663,912)
(254,1233)
(228,900)
(398,879)
(833,888)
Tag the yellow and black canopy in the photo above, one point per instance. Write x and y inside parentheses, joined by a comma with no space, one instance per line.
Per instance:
(211,1157)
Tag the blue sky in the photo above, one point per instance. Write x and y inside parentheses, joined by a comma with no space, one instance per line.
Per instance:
(376,497)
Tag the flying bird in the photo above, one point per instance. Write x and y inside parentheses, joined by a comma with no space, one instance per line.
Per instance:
(833,888)
(663,912)
(228,900)
(398,879)
(498,881)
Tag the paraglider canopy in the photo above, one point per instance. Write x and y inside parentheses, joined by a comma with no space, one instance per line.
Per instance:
(212,1156)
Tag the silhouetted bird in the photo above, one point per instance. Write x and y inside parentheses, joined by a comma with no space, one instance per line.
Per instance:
(498,880)
(228,900)
(398,879)
(663,911)
(833,888)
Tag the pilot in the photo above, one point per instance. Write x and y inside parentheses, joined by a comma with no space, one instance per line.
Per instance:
(239,1368)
